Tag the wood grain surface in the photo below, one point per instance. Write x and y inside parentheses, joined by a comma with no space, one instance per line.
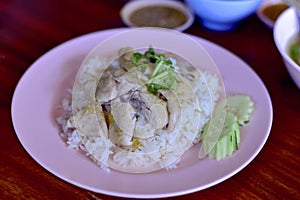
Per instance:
(29,28)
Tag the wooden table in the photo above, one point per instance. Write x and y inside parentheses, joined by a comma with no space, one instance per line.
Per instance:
(30,28)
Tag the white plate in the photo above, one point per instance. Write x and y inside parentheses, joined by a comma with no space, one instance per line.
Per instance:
(44,85)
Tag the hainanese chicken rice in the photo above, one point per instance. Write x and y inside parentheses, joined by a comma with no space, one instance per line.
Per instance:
(140,112)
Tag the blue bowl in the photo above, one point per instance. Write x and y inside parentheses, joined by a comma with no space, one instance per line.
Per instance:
(222,15)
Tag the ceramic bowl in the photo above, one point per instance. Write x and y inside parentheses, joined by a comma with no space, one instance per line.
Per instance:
(285,28)
(150,21)
(269,11)
(222,15)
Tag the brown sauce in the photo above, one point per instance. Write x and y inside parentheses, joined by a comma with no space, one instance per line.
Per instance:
(158,16)
(273,11)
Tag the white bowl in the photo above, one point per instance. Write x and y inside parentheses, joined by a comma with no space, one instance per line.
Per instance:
(222,15)
(134,5)
(285,28)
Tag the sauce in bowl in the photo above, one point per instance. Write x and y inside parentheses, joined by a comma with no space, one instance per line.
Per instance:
(158,16)
(157,13)
(273,11)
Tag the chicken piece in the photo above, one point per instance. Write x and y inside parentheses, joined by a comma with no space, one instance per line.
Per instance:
(190,72)
(106,89)
(125,58)
(158,109)
(90,121)
(123,120)
(159,116)
(131,80)
(173,108)
(118,137)
(152,114)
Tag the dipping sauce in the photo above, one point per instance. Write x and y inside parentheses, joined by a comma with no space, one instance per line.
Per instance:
(158,16)
(273,11)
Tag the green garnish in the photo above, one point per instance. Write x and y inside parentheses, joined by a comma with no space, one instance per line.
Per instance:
(163,74)
(136,57)
(150,55)
(165,80)
(294,52)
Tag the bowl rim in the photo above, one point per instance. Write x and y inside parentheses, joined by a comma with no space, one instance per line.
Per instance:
(282,48)
(133,5)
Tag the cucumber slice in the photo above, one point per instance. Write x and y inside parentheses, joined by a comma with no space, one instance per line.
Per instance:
(242,106)
(213,129)
(229,138)
(235,111)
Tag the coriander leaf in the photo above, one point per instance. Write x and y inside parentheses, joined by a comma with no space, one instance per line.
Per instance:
(162,76)
(136,57)
(151,88)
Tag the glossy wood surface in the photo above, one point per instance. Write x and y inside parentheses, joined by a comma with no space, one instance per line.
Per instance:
(29,28)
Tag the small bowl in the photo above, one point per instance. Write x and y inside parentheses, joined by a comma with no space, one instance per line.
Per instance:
(270,10)
(285,29)
(171,14)
(222,15)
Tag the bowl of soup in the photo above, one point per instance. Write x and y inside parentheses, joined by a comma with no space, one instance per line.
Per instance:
(286,30)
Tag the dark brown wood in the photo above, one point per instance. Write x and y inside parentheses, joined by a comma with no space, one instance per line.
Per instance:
(30,28)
